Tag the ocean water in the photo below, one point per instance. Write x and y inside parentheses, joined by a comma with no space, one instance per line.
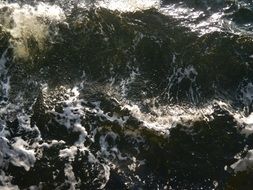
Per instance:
(134,94)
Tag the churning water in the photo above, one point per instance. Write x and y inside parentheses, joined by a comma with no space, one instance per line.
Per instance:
(133,94)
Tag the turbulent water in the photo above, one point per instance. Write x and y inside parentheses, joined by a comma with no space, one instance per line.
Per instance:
(126,94)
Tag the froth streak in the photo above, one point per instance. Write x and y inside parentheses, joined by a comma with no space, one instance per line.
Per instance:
(28,26)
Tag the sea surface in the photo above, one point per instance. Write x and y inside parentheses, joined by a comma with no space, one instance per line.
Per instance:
(126,94)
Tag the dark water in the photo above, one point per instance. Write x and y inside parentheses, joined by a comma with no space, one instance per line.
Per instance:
(126,95)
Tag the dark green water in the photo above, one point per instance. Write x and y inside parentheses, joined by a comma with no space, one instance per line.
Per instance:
(126,95)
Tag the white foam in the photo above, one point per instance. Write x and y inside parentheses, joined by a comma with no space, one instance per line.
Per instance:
(244,163)
(189,18)
(4,150)
(5,83)
(51,144)
(177,76)
(105,174)
(68,153)
(124,84)
(163,118)
(133,166)
(181,12)
(22,156)
(247,94)
(128,5)
(28,22)
(72,115)
(18,152)
(71,179)
(6,182)
(246,122)
(106,150)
